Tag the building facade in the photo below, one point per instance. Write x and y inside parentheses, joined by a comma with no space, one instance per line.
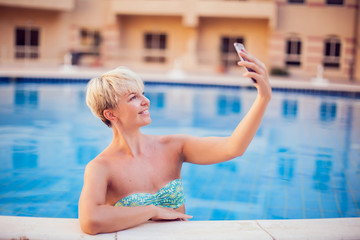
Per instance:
(301,37)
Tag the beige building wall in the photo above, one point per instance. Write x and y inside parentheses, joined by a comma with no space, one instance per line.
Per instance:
(195,49)
(193,29)
(132,30)
(53,38)
(357,44)
(255,33)
(313,22)
(59,30)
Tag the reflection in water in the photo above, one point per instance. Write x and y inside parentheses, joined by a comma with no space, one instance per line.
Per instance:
(229,166)
(323,166)
(348,131)
(228,104)
(24,154)
(286,164)
(157,99)
(290,108)
(316,160)
(85,153)
(327,111)
(81,99)
(28,98)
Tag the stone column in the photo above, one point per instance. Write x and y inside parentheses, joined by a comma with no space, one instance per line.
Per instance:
(191,23)
(277,50)
(313,55)
(110,46)
(189,60)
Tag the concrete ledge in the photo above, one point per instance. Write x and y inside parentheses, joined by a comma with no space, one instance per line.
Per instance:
(213,79)
(29,228)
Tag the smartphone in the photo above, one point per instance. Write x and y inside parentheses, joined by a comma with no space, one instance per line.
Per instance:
(238,48)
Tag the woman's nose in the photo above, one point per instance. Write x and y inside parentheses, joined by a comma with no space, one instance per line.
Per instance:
(145,100)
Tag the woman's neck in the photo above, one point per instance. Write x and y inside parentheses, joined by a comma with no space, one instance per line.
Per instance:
(129,142)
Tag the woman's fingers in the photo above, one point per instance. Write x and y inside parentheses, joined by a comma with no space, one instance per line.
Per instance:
(250,58)
(253,63)
(186,217)
(254,67)
(259,73)
(170,214)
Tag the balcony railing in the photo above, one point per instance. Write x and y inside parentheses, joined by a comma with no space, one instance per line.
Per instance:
(191,10)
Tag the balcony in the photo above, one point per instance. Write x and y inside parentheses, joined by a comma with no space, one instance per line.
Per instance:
(191,10)
(63,5)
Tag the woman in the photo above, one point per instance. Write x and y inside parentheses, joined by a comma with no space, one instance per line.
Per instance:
(137,177)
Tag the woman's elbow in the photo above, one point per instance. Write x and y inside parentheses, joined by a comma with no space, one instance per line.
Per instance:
(235,152)
(90,224)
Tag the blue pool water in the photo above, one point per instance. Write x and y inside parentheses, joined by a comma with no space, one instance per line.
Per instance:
(304,161)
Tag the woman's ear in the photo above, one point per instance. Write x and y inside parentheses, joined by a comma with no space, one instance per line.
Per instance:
(109,115)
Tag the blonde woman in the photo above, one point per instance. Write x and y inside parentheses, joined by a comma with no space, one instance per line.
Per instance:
(137,178)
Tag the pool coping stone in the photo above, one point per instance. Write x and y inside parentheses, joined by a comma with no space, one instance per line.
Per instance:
(29,228)
(228,79)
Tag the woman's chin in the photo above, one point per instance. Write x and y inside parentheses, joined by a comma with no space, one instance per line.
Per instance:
(147,122)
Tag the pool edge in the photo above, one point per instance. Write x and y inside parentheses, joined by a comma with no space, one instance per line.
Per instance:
(26,228)
(228,80)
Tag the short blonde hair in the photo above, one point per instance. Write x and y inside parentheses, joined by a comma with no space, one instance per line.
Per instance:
(103,92)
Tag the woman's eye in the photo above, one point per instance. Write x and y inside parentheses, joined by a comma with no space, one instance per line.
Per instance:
(133,97)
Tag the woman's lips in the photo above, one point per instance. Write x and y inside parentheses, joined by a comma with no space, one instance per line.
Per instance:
(146,111)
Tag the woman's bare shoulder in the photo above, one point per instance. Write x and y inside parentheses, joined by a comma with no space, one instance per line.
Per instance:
(99,165)
(172,139)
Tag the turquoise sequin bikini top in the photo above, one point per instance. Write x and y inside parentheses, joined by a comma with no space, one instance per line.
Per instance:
(170,196)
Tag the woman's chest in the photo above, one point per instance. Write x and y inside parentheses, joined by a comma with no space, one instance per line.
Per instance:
(145,175)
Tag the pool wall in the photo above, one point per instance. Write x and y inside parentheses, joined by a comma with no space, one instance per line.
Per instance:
(26,228)
(292,84)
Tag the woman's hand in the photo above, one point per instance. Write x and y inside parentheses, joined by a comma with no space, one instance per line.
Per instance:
(163,213)
(260,74)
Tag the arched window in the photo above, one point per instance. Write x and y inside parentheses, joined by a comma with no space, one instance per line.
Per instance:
(332,52)
(293,51)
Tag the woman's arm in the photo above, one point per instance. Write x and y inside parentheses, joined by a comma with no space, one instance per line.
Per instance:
(96,216)
(211,150)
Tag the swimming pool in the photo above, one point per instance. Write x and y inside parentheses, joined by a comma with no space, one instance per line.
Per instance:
(304,161)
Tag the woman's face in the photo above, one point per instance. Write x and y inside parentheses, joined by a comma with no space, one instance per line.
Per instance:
(133,110)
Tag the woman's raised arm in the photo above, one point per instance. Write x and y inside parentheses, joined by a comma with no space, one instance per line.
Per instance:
(211,150)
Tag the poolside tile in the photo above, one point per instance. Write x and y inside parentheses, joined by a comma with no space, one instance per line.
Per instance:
(218,213)
(329,229)
(242,195)
(332,214)
(200,213)
(295,213)
(225,195)
(275,213)
(310,213)
(329,205)
(312,205)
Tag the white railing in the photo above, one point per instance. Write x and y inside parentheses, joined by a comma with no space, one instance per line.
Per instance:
(332,60)
(27,52)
